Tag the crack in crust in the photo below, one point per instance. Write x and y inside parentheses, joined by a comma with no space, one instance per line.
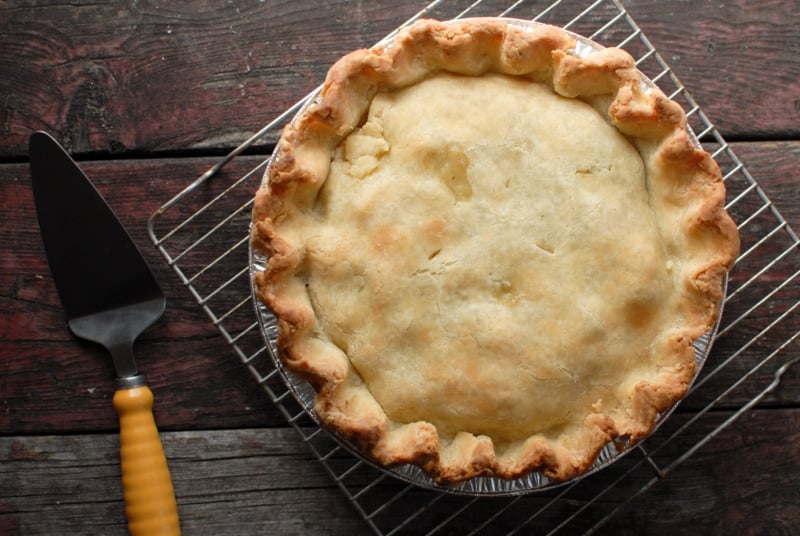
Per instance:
(681,177)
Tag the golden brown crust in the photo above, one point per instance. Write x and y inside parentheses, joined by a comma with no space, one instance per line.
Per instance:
(686,194)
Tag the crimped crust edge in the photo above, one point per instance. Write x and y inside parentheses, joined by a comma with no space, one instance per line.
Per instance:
(684,173)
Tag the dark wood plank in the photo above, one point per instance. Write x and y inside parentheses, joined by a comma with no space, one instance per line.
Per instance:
(169,78)
(244,482)
(53,382)
(265,482)
(770,169)
(741,482)
(734,57)
(776,167)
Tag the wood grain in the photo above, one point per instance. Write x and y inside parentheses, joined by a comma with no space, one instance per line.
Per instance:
(237,481)
(53,382)
(735,57)
(166,78)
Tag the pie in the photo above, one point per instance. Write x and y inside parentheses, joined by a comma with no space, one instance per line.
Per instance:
(490,250)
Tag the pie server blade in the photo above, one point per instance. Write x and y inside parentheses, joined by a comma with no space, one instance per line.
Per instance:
(109,296)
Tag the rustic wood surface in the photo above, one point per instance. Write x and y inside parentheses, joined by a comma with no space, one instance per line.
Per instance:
(148,95)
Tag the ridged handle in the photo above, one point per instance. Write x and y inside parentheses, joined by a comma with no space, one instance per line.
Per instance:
(146,483)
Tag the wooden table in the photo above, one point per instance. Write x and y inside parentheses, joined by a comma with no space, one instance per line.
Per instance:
(148,95)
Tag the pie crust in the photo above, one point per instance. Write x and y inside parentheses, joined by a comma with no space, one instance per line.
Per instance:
(490,251)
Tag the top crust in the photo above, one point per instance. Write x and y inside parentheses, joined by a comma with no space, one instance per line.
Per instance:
(340,259)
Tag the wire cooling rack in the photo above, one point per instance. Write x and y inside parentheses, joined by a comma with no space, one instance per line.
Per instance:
(203,234)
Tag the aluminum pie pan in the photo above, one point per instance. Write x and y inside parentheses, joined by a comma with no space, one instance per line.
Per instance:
(534,481)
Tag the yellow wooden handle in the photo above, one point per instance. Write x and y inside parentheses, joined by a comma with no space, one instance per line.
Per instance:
(146,483)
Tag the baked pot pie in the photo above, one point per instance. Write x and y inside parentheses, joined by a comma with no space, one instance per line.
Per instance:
(490,250)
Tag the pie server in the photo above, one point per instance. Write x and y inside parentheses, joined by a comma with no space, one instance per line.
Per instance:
(109,297)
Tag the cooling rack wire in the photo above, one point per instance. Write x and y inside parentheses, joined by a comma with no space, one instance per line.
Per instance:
(202,234)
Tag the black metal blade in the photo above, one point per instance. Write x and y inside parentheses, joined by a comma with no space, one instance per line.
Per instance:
(95,264)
